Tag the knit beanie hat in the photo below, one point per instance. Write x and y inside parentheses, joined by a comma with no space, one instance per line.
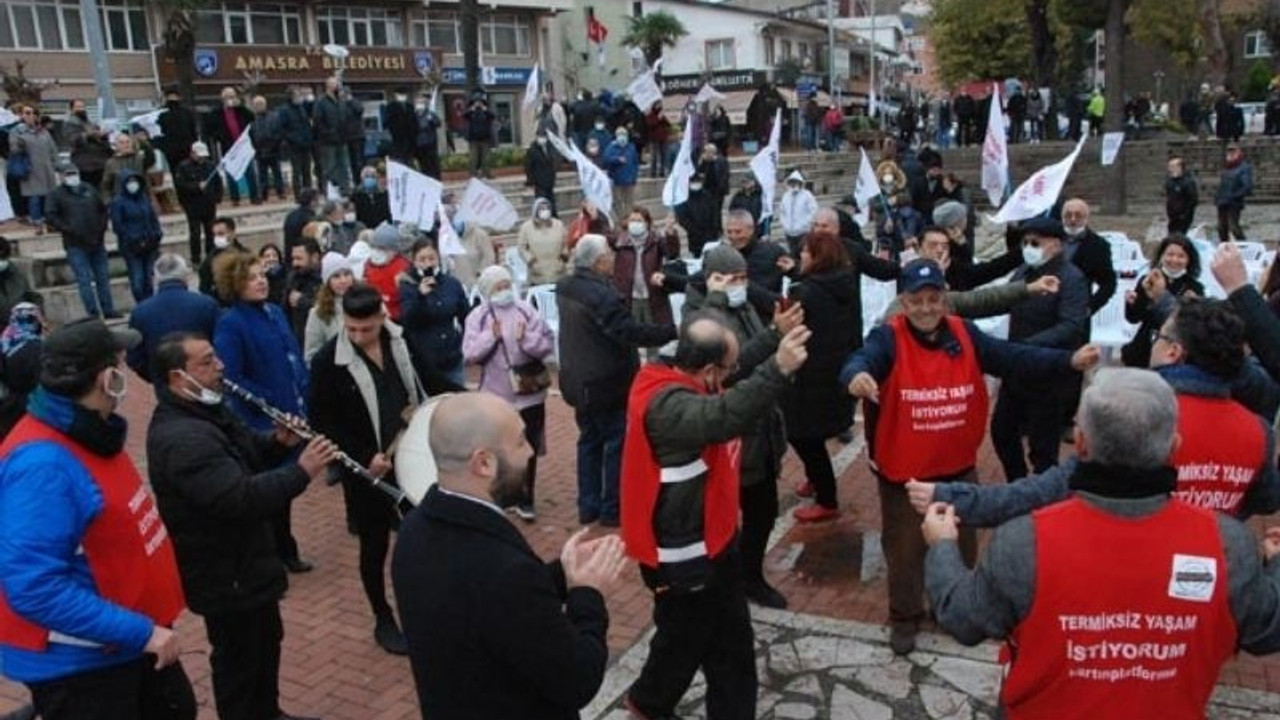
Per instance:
(723,259)
(386,236)
(491,276)
(331,264)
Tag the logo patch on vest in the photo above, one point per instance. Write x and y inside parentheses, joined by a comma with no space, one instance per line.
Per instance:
(1193,578)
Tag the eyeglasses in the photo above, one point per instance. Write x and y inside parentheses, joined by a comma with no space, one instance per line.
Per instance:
(1157,335)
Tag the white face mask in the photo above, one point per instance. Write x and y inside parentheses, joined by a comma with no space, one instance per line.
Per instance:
(420,107)
(205,396)
(544,214)
(132,187)
(116,384)
(695,187)
(379,257)
(4,265)
(1033,256)
(1171,273)
(737,295)
(1074,230)
(71,181)
(502,298)
(349,217)
(636,228)
(221,241)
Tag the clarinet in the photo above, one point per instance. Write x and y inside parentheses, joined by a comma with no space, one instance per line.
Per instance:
(299,427)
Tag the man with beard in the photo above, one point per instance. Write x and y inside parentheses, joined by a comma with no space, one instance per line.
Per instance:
(522,638)
(302,285)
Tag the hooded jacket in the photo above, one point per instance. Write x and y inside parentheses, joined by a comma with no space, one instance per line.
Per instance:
(133,217)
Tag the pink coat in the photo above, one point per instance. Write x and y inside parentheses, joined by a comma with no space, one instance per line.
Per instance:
(479,347)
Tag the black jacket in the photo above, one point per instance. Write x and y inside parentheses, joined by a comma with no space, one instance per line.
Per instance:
(402,122)
(598,341)
(352,121)
(818,406)
(217,485)
(326,120)
(749,201)
(297,219)
(1181,196)
(372,208)
(267,135)
(180,128)
(295,127)
(1093,257)
(507,639)
(700,218)
(186,181)
(215,126)
(540,165)
(1261,328)
(78,213)
(1058,320)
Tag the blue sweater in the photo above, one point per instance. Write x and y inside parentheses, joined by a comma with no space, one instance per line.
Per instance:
(261,354)
(44,579)
(622,163)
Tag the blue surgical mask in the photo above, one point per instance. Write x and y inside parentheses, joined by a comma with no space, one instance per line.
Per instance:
(1033,256)
(459,226)
(369,184)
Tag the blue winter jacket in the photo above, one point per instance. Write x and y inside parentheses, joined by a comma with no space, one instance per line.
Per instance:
(622,163)
(432,323)
(262,355)
(133,217)
(174,308)
(44,579)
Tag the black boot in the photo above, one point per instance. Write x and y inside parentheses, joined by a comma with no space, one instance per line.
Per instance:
(763,594)
(387,634)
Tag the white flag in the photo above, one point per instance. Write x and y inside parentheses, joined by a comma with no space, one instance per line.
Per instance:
(447,239)
(644,91)
(566,152)
(1111,143)
(531,91)
(236,160)
(1040,191)
(765,167)
(7,117)
(6,204)
(150,122)
(413,197)
(866,188)
(332,192)
(435,95)
(596,185)
(995,152)
(484,205)
(707,94)
(676,189)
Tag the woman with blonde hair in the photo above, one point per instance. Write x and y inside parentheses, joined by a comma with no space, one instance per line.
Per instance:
(324,321)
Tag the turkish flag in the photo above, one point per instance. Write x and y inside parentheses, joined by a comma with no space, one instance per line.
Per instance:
(596,31)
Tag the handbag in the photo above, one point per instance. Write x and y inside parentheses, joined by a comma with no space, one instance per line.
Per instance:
(528,378)
(19,166)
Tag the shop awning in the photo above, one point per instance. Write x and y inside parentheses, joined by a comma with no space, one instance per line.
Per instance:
(735,103)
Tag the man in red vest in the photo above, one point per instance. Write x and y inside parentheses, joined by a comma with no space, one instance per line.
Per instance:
(1119,602)
(924,368)
(1226,460)
(90,584)
(679,488)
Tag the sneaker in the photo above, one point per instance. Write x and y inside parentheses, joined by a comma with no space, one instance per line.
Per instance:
(805,490)
(298,565)
(902,638)
(387,634)
(763,594)
(637,714)
(526,513)
(815,513)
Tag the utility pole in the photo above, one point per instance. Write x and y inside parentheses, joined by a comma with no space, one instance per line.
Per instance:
(91,21)
(831,49)
(871,100)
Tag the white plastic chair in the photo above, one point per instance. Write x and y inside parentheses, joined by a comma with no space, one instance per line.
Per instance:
(1206,249)
(543,299)
(1253,253)
(473,296)
(1108,328)
(515,263)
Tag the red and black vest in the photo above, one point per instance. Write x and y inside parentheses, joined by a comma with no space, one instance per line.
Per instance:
(126,546)
(642,478)
(1223,447)
(933,407)
(1141,637)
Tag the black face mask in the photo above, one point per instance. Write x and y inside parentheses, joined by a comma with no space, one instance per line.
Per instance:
(83,115)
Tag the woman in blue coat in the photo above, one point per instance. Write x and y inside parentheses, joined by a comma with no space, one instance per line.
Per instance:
(433,310)
(137,229)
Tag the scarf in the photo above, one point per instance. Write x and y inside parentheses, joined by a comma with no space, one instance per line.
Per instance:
(1116,481)
(25,324)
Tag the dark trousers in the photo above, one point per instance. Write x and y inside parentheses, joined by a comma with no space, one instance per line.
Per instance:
(759,503)
(198,224)
(270,176)
(282,531)
(428,157)
(375,541)
(904,549)
(817,469)
(1180,224)
(709,629)
(140,268)
(535,432)
(1034,413)
(300,169)
(245,658)
(130,691)
(355,156)
(1229,223)
(599,463)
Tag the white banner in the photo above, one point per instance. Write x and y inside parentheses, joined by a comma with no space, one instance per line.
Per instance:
(995,152)
(566,152)
(707,94)
(1111,143)
(236,160)
(413,196)
(596,185)
(865,188)
(484,205)
(644,91)
(149,122)
(447,239)
(765,167)
(531,91)
(7,117)
(676,190)
(6,204)
(1040,191)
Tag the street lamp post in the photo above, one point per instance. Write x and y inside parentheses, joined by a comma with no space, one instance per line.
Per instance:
(1159,82)
(91,21)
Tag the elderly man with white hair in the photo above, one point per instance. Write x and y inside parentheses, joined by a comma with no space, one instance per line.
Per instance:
(173,308)
(1119,601)
(598,342)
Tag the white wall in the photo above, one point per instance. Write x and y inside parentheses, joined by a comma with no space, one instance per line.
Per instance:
(710,23)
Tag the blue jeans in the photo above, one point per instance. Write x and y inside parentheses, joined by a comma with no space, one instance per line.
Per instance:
(140,267)
(90,268)
(599,463)
(35,207)
(335,163)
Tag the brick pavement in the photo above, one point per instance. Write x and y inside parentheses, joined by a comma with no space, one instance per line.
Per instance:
(333,669)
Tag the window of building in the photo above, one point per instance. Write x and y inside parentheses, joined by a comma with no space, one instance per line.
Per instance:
(1256,45)
(504,35)
(770,53)
(249,24)
(439,30)
(786,49)
(359,26)
(802,50)
(55,25)
(719,54)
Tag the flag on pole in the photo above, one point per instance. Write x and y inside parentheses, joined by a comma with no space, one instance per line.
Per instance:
(866,188)
(707,94)
(1040,191)
(995,152)
(485,206)
(435,95)
(447,239)
(765,167)
(236,160)
(413,197)
(532,89)
(644,91)
(150,122)
(596,185)
(676,189)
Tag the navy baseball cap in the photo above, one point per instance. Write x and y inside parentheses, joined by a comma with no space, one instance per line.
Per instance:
(922,273)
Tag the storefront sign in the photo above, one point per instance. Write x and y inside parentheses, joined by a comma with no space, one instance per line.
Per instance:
(225,64)
(488,75)
(722,81)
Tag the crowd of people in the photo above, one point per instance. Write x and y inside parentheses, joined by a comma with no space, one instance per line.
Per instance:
(308,359)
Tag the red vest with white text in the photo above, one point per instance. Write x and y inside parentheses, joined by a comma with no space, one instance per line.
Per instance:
(126,546)
(933,407)
(642,475)
(1130,617)
(1223,447)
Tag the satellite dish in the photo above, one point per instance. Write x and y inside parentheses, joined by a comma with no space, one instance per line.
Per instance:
(336,51)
